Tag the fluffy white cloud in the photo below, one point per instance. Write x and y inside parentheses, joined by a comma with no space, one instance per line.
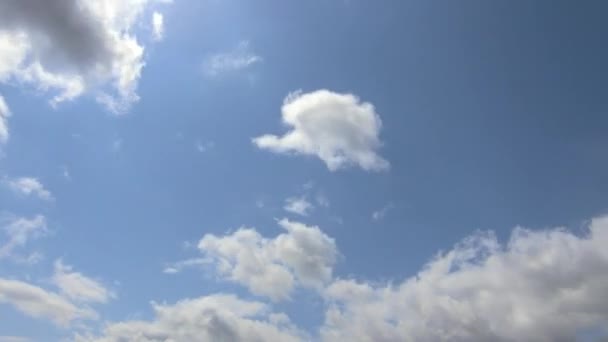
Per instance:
(272,267)
(19,231)
(69,47)
(211,318)
(5,112)
(542,286)
(238,59)
(338,128)
(298,205)
(78,287)
(29,186)
(39,303)
(158,27)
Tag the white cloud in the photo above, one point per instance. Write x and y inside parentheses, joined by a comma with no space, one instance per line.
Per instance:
(158,28)
(29,186)
(79,287)
(542,286)
(211,318)
(298,205)
(19,231)
(338,128)
(5,112)
(238,59)
(70,47)
(273,267)
(39,303)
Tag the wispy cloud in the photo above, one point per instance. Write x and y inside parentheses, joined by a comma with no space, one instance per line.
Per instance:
(381,213)
(298,205)
(240,58)
(28,186)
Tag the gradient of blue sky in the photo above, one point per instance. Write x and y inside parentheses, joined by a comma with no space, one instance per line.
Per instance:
(494,115)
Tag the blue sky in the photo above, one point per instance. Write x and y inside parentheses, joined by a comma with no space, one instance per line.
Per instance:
(303,170)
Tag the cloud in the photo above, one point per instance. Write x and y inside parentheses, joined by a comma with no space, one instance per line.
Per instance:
(381,213)
(158,28)
(14,339)
(338,128)
(29,186)
(39,303)
(5,112)
(298,205)
(180,265)
(542,286)
(69,47)
(273,267)
(79,287)
(19,231)
(212,318)
(238,59)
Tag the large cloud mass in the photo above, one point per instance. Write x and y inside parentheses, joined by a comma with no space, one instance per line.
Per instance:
(211,318)
(73,46)
(338,128)
(542,286)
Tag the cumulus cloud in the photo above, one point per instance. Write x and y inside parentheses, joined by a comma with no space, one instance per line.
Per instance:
(272,267)
(212,318)
(69,47)
(298,205)
(542,286)
(5,112)
(78,287)
(238,59)
(19,231)
(158,27)
(39,303)
(337,128)
(29,186)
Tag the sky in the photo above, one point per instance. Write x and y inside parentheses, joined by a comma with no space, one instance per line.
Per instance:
(321,170)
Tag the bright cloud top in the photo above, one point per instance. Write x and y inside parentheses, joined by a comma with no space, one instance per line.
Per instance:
(338,128)
(273,267)
(29,186)
(542,286)
(158,26)
(69,47)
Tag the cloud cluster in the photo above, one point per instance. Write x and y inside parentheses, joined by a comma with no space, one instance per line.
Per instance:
(71,303)
(69,47)
(542,286)
(39,303)
(212,318)
(337,128)
(273,267)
